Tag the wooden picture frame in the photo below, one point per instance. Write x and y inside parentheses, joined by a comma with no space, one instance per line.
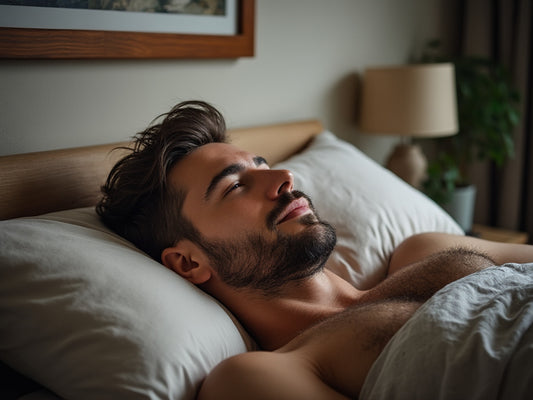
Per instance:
(23,43)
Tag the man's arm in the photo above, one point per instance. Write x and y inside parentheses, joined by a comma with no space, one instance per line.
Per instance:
(418,247)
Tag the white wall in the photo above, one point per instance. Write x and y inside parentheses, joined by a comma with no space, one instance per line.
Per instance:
(308,55)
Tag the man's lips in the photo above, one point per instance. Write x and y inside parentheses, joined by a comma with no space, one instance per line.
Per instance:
(294,209)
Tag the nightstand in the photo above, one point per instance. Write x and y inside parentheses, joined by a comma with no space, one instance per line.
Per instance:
(499,234)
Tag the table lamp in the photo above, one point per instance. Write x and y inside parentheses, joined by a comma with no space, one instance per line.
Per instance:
(416,100)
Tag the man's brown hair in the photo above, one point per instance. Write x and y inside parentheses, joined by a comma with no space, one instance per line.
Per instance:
(138,203)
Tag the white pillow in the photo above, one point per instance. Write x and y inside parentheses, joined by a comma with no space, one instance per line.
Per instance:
(89,316)
(372,209)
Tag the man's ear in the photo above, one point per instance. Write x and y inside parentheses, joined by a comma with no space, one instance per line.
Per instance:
(188,261)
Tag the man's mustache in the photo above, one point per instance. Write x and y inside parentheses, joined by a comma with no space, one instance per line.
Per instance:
(283,201)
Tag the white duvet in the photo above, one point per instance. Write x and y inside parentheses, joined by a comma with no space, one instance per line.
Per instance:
(472,340)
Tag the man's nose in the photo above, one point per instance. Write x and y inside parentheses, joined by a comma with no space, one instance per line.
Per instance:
(281,181)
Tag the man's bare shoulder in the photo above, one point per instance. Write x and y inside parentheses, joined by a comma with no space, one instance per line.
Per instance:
(266,376)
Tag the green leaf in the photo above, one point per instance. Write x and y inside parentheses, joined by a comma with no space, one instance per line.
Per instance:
(488,105)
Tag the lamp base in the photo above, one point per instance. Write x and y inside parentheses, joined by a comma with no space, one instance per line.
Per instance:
(409,163)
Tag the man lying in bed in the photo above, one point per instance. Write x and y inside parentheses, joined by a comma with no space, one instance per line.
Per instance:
(220,218)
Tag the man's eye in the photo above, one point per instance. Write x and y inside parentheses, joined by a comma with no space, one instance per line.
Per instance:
(236,185)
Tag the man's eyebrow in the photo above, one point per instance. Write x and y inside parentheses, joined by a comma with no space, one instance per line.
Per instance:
(229,170)
(258,160)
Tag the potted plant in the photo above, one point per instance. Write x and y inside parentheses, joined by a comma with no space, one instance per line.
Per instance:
(487,107)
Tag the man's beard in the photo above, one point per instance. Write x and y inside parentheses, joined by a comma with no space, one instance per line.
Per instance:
(256,262)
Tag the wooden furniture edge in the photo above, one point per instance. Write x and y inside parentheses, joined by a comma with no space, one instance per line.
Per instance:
(28,43)
(500,234)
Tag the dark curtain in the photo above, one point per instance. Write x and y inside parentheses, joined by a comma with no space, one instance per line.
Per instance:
(501,29)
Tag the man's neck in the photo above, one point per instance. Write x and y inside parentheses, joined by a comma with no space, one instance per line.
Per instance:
(275,320)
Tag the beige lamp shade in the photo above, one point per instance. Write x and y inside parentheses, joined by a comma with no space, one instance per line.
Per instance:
(412,100)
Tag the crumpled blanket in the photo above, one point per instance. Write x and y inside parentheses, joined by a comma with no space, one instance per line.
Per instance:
(472,340)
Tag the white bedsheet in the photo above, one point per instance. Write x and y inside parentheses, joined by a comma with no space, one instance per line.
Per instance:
(472,340)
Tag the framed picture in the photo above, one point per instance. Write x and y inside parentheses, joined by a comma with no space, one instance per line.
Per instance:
(38,35)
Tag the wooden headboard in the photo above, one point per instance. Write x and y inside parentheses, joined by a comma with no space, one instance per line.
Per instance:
(41,182)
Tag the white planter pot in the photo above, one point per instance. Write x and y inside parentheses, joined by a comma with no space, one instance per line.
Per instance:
(461,206)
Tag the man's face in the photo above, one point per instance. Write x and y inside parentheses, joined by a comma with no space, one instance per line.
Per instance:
(256,230)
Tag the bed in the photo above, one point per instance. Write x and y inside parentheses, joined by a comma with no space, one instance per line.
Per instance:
(86,315)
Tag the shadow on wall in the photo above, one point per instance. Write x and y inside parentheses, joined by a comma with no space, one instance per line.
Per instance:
(342,105)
